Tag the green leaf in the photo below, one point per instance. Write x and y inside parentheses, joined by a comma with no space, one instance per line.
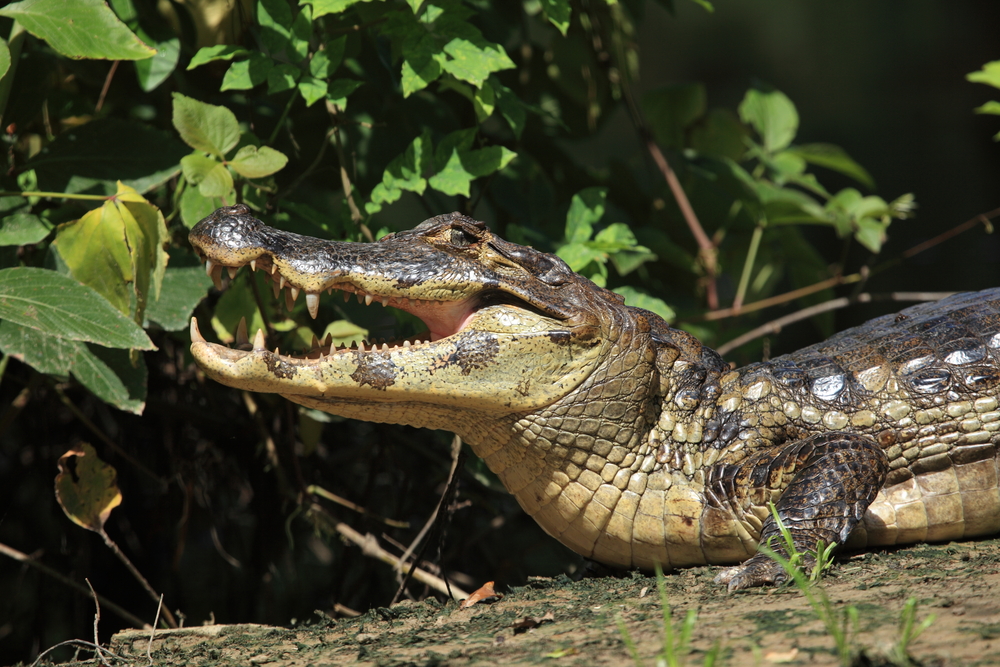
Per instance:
(585,210)
(117,249)
(195,206)
(79,29)
(475,61)
(835,158)
(422,64)
(4,58)
(991,107)
(205,127)
(245,74)
(511,107)
(95,156)
(254,162)
(183,289)
(312,89)
(338,91)
(670,110)
(466,165)
(639,299)
(484,102)
(989,74)
(405,172)
(217,183)
(22,228)
(59,306)
(282,37)
(197,166)
(558,12)
(282,77)
(326,61)
(122,386)
(207,54)
(323,7)
(773,115)
(579,255)
(151,72)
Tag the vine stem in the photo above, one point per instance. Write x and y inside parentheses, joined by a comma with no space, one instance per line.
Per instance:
(741,292)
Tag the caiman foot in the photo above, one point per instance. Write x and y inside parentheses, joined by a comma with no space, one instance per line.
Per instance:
(835,477)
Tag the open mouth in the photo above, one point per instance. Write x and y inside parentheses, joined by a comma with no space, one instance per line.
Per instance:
(442,318)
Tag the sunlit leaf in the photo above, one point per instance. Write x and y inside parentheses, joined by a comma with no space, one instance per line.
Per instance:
(475,61)
(639,299)
(835,158)
(151,72)
(405,172)
(558,12)
(22,228)
(4,58)
(79,29)
(989,74)
(585,210)
(62,307)
(205,127)
(773,115)
(245,74)
(207,54)
(88,490)
(254,162)
(283,77)
(323,7)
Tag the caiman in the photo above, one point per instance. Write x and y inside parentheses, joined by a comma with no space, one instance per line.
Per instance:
(626,439)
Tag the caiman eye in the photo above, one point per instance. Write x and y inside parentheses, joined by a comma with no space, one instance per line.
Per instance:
(462,239)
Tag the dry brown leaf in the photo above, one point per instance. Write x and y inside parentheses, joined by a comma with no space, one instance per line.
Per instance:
(485,593)
(89,492)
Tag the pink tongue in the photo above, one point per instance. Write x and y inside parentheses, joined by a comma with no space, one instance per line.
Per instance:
(442,320)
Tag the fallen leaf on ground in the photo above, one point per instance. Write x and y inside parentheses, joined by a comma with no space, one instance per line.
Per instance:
(485,594)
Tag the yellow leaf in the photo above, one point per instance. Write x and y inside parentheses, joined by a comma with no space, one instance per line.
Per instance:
(88,492)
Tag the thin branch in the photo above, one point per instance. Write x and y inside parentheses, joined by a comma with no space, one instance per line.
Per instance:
(775,326)
(152,632)
(167,615)
(107,84)
(370,547)
(344,502)
(345,179)
(97,623)
(983,218)
(443,501)
(80,588)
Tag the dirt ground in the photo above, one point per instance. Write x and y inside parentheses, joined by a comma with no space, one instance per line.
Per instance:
(575,623)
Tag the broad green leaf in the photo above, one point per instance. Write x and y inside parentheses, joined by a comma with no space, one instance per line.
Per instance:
(88,491)
(464,166)
(117,249)
(474,62)
(312,90)
(773,115)
(639,299)
(991,107)
(323,7)
(282,77)
(245,74)
(197,166)
(326,61)
(79,29)
(579,255)
(183,289)
(217,183)
(835,158)
(254,162)
(151,72)
(62,307)
(484,102)
(405,172)
(195,206)
(205,127)
(558,12)
(207,54)
(338,91)
(511,107)
(95,156)
(989,74)
(22,228)
(616,236)
(282,36)
(670,110)
(585,210)
(871,233)
(422,64)
(4,58)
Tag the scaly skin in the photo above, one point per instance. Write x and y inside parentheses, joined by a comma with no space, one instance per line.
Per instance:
(627,440)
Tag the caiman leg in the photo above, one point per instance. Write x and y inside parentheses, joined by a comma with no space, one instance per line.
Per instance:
(834,478)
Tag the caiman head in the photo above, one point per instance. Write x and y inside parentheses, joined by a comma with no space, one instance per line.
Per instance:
(509,329)
(552,380)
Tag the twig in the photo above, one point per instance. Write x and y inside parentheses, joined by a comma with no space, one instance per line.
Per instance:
(72,642)
(983,218)
(443,501)
(80,588)
(723,313)
(344,502)
(97,622)
(345,179)
(107,84)
(167,615)
(370,547)
(774,326)
(152,632)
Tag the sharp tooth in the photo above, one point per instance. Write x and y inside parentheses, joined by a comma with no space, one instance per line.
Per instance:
(277,352)
(368,299)
(361,346)
(274,269)
(361,297)
(217,276)
(258,341)
(196,336)
(406,343)
(253,264)
(312,303)
(347,295)
(328,341)
(315,342)
(289,300)
(232,271)
(275,288)
(209,265)
(241,333)
(385,301)
(295,293)
(385,347)
(281,282)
